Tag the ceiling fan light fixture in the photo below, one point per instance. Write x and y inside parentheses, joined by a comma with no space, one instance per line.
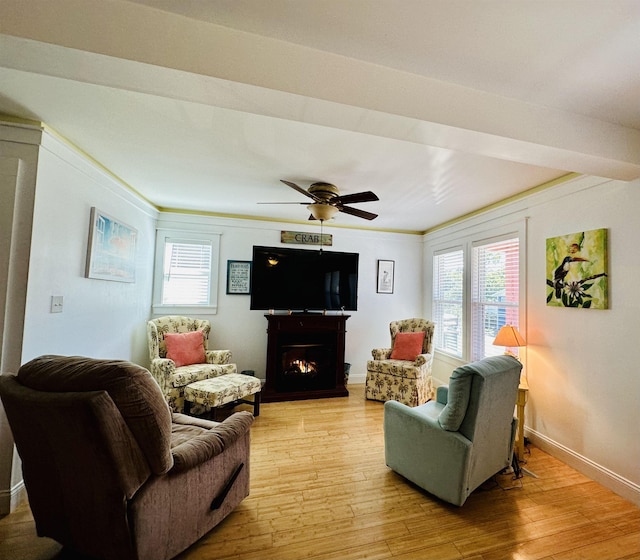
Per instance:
(322,212)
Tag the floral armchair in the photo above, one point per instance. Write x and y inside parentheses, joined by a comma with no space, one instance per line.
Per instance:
(173,378)
(403,372)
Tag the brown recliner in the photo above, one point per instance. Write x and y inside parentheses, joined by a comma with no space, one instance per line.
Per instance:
(110,472)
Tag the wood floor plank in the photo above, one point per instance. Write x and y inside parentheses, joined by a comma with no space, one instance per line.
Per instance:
(554,543)
(616,548)
(320,490)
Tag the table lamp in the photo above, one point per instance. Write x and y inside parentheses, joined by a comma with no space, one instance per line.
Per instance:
(509,337)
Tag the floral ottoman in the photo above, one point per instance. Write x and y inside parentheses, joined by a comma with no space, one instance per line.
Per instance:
(224,389)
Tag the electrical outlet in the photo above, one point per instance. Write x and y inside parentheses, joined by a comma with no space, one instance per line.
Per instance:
(56,304)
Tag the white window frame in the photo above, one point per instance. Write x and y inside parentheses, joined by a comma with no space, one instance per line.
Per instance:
(467,238)
(474,302)
(162,235)
(440,333)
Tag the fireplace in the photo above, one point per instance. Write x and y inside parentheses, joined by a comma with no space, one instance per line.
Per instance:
(305,357)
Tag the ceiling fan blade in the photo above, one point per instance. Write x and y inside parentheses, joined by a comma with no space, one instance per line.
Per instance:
(357,212)
(366,196)
(283,203)
(299,189)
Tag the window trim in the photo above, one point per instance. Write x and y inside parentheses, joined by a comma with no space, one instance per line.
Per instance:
(438,253)
(478,243)
(162,234)
(466,238)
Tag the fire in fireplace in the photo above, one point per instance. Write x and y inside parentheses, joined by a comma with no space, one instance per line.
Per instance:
(301,367)
(306,366)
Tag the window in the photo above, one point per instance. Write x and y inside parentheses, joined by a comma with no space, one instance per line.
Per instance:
(495,294)
(186,275)
(477,282)
(186,278)
(448,277)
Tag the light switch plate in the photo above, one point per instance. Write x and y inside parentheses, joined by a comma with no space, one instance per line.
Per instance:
(56,304)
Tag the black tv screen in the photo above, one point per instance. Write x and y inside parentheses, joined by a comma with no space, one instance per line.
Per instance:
(303,280)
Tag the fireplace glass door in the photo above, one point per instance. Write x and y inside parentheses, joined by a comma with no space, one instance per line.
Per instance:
(306,366)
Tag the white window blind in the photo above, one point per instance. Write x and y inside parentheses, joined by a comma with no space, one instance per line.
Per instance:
(495,294)
(187,272)
(448,276)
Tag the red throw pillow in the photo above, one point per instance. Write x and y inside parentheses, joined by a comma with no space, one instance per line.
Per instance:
(407,346)
(185,348)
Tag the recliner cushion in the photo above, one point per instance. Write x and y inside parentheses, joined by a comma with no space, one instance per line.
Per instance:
(407,346)
(453,414)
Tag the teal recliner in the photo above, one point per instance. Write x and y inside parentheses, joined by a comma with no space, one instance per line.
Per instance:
(452,445)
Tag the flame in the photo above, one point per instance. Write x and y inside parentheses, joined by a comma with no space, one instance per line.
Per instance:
(303,366)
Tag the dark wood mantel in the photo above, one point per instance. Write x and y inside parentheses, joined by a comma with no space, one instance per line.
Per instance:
(305,330)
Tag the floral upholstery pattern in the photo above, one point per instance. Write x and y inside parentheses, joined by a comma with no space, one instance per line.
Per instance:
(172,379)
(222,390)
(402,380)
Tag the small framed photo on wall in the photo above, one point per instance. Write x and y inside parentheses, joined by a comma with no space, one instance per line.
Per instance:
(385,276)
(238,277)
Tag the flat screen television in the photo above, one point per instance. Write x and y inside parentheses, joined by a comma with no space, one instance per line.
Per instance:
(303,280)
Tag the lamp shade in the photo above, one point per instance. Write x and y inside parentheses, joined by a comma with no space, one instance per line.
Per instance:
(322,212)
(510,337)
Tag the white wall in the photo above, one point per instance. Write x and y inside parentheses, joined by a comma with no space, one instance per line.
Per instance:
(580,363)
(243,331)
(100,318)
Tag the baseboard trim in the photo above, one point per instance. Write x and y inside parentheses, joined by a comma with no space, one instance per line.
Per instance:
(614,482)
(10,499)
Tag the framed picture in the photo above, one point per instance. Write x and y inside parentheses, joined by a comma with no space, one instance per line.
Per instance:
(577,270)
(238,277)
(111,251)
(385,276)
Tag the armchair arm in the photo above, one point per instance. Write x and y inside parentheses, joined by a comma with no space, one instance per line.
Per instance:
(381,353)
(218,356)
(422,359)
(162,369)
(442,394)
(201,448)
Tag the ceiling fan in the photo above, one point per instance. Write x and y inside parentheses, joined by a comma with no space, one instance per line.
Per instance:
(327,201)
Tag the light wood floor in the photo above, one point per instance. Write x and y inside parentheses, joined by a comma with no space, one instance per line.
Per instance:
(320,490)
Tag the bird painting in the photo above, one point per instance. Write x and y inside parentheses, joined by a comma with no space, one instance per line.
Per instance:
(561,272)
(577,270)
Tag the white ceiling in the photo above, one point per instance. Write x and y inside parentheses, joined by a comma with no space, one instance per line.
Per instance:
(441,107)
